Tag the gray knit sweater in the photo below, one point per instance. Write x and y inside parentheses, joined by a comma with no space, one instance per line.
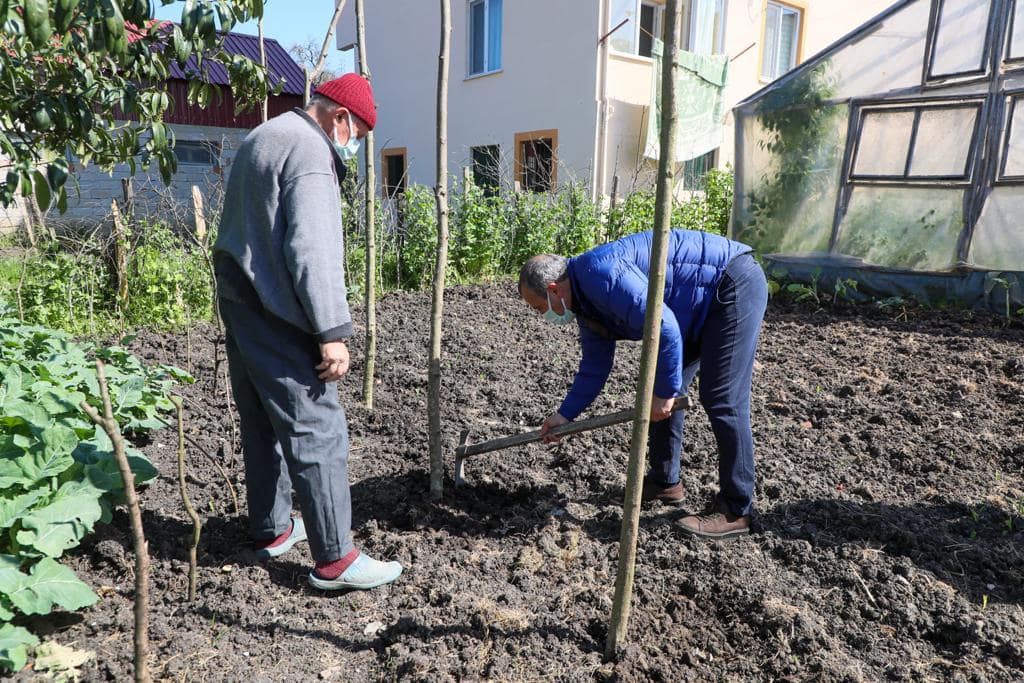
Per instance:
(280,238)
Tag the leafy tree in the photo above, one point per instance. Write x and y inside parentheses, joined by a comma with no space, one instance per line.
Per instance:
(85,80)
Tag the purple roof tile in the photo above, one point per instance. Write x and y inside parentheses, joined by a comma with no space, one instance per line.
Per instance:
(279,63)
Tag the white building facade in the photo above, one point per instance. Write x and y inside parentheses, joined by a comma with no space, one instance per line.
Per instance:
(542,92)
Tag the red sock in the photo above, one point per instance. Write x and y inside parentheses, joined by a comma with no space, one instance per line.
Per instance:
(277,541)
(335,568)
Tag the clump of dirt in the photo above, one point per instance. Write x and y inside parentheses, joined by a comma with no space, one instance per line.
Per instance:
(887,542)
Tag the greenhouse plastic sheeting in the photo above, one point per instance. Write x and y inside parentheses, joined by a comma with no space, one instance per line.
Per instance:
(899,150)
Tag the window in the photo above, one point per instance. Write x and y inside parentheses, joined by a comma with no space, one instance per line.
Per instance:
(650,28)
(704,23)
(392,161)
(783,26)
(197,152)
(486,168)
(959,45)
(635,37)
(484,36)
(703,27)
(694,170)
(537,160)
(1013,151)
(916,143)
(1015,44)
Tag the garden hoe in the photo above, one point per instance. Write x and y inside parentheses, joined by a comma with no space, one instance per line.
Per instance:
(466,450)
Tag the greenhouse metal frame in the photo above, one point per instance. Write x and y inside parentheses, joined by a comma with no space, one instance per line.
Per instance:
(895,157)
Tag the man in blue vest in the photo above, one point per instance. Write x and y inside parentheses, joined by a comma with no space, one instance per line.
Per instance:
(715,299)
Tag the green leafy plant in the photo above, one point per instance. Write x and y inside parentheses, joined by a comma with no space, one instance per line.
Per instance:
(168,286)
(708,210)
(70,285)
(891,302)
(842,287)
(803,292)
(58,477)
(581,226)
(88,78)
(632,215)
(478,234)
(798,122)
(1006,282)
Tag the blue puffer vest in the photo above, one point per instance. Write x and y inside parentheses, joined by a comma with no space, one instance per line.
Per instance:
(609,293)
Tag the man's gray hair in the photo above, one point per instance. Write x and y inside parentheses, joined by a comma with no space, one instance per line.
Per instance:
(318,101)
(537,272)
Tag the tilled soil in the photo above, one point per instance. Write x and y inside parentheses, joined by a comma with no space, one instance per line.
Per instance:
(888,538)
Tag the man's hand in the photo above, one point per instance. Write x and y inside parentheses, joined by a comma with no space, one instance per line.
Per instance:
(661,408)
(553,420)
(335,361)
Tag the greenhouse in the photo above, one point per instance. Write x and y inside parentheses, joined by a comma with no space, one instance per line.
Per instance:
(895,157)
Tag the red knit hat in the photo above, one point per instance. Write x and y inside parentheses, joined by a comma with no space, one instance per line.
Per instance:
(353,92)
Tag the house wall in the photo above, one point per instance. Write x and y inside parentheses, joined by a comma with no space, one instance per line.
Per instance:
(550,80)
(547,81)
(13,217)
(89,201)
(629,77)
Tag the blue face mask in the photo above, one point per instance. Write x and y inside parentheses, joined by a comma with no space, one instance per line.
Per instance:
(555,319)
(347,151)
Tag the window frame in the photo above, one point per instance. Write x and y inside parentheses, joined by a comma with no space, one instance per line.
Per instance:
(659,22)
(690,27)
(694,182)
(212,149)
(488,190)
(918,106)
(533,136)
(1011,99)
(931,44)
(1009,60)
(659,19)
(488,69)
(799,7)
(388,190)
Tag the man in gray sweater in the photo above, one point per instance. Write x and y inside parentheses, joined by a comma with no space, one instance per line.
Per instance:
(282,296)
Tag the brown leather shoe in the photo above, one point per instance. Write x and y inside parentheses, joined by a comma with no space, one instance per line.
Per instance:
(669,495)
(717,521)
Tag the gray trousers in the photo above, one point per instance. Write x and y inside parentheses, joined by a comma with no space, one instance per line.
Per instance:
(294,431)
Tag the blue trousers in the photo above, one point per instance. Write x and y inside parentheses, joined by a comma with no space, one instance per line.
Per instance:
(294,432)
(726,363)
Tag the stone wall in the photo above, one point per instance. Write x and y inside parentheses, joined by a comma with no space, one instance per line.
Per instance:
(13,218)
(91,191)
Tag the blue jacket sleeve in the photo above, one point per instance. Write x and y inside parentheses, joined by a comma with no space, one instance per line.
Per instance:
(595,366)
(627,300)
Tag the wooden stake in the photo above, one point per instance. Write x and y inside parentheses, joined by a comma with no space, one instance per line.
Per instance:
(441,262)
(120,257)
(609,232)
(109,425)
(128,192)
(370,187)
(263,63)
(196,523)
(199,217)
(617,630)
